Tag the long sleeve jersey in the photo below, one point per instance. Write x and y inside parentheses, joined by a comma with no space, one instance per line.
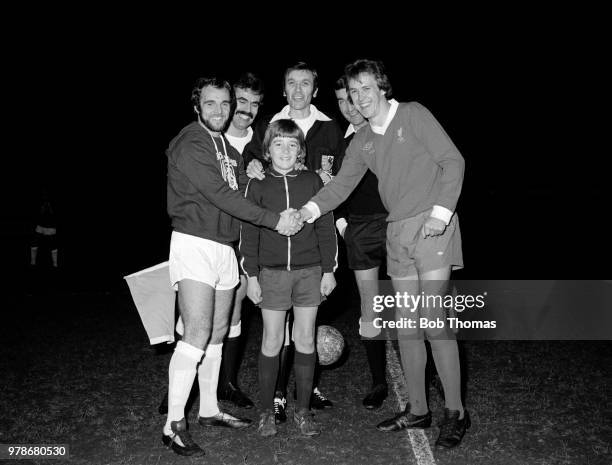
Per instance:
(204,187)
(416,163)
(365,199)
(315,244)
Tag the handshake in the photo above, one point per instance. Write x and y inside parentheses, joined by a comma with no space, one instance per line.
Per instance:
(291,222)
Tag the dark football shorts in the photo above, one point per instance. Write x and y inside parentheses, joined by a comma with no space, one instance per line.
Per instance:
(365,238)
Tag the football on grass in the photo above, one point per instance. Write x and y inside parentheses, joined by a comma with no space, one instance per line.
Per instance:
(330,344)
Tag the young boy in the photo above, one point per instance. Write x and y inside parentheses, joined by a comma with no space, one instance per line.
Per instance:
(287,272)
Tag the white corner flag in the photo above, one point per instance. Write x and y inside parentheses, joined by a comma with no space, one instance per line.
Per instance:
(154,299)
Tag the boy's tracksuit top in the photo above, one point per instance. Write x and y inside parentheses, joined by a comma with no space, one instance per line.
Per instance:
(314,245)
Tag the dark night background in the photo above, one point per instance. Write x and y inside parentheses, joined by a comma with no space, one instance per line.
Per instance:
(96,106)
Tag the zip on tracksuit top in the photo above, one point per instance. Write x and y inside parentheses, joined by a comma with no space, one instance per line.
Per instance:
(314,245)
(204,189)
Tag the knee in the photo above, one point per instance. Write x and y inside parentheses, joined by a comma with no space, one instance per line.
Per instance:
(410,327)
(218,334)
(196,336)
(441,345)
(304,340)
(271,343)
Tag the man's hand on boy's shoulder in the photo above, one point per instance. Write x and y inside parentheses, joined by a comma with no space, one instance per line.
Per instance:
(328,283)
(324,175)
(255,170)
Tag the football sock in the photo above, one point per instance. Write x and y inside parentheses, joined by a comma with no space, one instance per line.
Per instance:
(181,373)
(208,378)
(285,358)
(375,352)
(414,359)
(446,356)
(267,373)
(304,372)
(317,372)
(230,361)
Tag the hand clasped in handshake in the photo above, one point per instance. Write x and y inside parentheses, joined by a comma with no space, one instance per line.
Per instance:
(290,222)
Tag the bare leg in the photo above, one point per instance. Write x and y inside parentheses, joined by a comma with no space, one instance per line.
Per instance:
(412,348)
(208,372)
(196,301)
(443,346)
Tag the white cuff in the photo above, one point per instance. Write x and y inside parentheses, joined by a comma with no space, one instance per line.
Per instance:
(214,350)
(441,213)
(313,208)
(367,329)
(235,330)
(341,224)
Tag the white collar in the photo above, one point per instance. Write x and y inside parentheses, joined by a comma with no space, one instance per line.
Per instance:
(315,115)
(392,110)
(249,134)
(350,130)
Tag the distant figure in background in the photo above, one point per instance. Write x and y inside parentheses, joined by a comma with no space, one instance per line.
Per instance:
(45,232)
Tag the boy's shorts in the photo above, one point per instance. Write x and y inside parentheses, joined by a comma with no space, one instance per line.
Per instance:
(407,251)
(283,289)
(203,260)
(365,238)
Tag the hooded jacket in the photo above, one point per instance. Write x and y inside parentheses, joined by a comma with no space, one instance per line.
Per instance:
(204,188)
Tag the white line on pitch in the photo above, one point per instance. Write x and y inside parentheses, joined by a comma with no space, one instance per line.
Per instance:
(418,439)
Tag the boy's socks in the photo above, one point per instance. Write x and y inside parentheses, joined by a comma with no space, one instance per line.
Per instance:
(267,373)
(304,373)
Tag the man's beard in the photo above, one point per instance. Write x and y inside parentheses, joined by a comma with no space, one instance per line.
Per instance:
(212,127)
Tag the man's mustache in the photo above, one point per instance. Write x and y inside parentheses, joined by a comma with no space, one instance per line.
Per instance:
(246,113)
